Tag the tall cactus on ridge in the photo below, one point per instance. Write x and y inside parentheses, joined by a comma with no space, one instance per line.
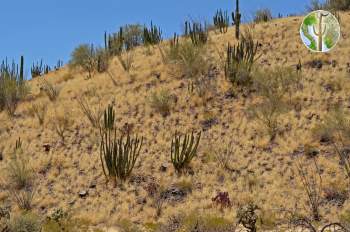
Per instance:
(236,17)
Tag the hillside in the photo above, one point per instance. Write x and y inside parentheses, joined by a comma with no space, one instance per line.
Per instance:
(69,175)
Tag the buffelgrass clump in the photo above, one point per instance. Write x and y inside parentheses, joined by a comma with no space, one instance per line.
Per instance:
(126,60)
(118,156)
(268,114)
(61,123)
(240,60)
(224,156)
(19,173)
(198,32)
(50,90)
(221,21)
(38,110)
(13,87)
(262,15)
(335,129)
(277,83)
(25,222)
(273,86)
(182,151)
(161,102)
(152,35)
(20,179)
(93,115)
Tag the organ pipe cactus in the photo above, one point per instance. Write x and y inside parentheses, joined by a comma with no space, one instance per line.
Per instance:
(221,21)
(197,32)
(183,150)
(152,35)
(118,156)
(240,59)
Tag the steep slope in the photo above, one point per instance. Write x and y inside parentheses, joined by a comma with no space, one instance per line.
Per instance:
(260,170)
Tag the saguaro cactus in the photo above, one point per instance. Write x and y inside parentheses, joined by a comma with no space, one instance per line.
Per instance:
(21,77)
(236,17)
(321,30)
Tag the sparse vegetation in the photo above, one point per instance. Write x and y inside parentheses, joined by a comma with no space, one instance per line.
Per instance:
(161,102)
(263,15)
(26,222)
(311,180)
(39,111)
(94,116)
(183,150)
(126,60)
(61,122)
(50,90)
(13,87)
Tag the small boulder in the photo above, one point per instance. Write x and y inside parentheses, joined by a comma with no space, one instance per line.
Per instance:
(47,147)
(163,167)
(83,194)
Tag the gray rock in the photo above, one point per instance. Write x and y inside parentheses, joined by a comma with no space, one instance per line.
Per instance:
(83,194)
(163,167)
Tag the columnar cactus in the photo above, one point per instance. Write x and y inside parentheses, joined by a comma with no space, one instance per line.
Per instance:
(152,36)
(182,152)
(221,21)
(236,17)
(118,156)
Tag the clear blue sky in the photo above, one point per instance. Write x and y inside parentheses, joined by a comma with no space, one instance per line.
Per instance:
(50,29)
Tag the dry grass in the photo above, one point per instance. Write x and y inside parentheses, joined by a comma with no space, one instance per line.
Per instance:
(260,170)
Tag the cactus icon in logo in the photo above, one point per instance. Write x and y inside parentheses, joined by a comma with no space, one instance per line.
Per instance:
(320,31)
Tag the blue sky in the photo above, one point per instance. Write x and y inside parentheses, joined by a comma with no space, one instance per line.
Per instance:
(51,29)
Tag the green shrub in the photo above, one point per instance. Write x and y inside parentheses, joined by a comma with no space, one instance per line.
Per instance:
(13,87)
(25,223)
(263,15)
(183,151)
(268,113)
(161,102)
(84,56)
